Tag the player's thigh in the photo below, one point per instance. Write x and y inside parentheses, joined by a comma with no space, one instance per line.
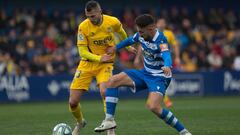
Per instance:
(121,79)
(82,80)
(102,77)
(104,73)
(137,77)
(157,84)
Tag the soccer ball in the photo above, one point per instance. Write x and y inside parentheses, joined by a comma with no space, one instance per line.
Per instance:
(62,129)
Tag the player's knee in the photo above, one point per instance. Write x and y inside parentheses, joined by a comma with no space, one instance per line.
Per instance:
(152,107)
(102,89)
(102,92)
(112,82)
(73,103)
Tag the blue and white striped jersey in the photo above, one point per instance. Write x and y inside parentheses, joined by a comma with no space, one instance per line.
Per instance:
(153,51)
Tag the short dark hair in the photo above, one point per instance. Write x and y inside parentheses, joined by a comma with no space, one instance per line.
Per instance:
(92,4)
(144,20)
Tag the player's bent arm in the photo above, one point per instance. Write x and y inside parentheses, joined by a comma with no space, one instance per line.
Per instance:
(176,49)
(84,53)
(117,26)
(166,55)
(122,34)
(138,58)
(175,44)
(139,53)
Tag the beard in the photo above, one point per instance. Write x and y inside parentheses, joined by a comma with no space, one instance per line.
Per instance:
(96,22)
(147,38)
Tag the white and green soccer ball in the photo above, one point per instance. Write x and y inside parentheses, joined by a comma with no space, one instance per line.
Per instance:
(62,129)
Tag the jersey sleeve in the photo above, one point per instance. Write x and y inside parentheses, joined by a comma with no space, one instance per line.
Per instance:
(135,37)
(117,26)
(84,53)
(164,45)
(172,39)
(81,36)
(166,55)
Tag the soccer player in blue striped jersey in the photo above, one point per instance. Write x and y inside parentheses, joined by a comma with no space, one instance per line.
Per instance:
(155,76)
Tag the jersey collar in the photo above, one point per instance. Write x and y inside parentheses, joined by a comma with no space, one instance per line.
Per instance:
(155,36)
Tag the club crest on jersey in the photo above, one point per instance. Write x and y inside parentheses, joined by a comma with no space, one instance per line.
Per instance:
(164,47)
(80,37)
(152,46)
(149,45)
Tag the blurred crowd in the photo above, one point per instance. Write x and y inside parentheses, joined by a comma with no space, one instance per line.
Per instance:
(40,42)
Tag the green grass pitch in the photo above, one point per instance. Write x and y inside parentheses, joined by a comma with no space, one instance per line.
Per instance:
(202,116)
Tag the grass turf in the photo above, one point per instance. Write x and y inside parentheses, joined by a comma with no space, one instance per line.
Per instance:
(202,116)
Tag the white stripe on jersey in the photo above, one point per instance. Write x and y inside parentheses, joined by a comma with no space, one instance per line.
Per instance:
(156,35)
(154,71)
(162,74)
(153,63)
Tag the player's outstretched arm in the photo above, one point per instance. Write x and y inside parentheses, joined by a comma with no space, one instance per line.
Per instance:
(127,42)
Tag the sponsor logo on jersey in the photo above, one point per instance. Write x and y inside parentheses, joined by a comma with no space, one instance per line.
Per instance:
(152,46)
(164,47)
(148,44)
(148,55)
(104,41)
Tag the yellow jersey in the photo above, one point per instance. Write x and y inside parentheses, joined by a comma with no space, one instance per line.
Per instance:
(170,37)
(98,37)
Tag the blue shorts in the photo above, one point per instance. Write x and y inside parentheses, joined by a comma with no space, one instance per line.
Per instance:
(144,80)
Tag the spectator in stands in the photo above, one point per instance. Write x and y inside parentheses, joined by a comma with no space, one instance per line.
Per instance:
(31,39)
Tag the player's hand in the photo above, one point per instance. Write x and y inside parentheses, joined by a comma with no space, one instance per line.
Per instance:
(110,50)
(177,61)
(132,49)
(106,58)
(167,71)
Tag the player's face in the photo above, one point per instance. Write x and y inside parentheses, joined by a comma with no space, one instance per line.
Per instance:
(95,16)
(145,32)
(161,24)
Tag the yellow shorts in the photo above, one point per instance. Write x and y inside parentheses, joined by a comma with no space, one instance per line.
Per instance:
(86,71)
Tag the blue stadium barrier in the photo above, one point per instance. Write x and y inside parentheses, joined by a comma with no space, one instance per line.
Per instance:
(53,88)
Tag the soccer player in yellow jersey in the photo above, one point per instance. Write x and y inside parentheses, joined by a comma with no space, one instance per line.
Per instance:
(95,35)
(161,25)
